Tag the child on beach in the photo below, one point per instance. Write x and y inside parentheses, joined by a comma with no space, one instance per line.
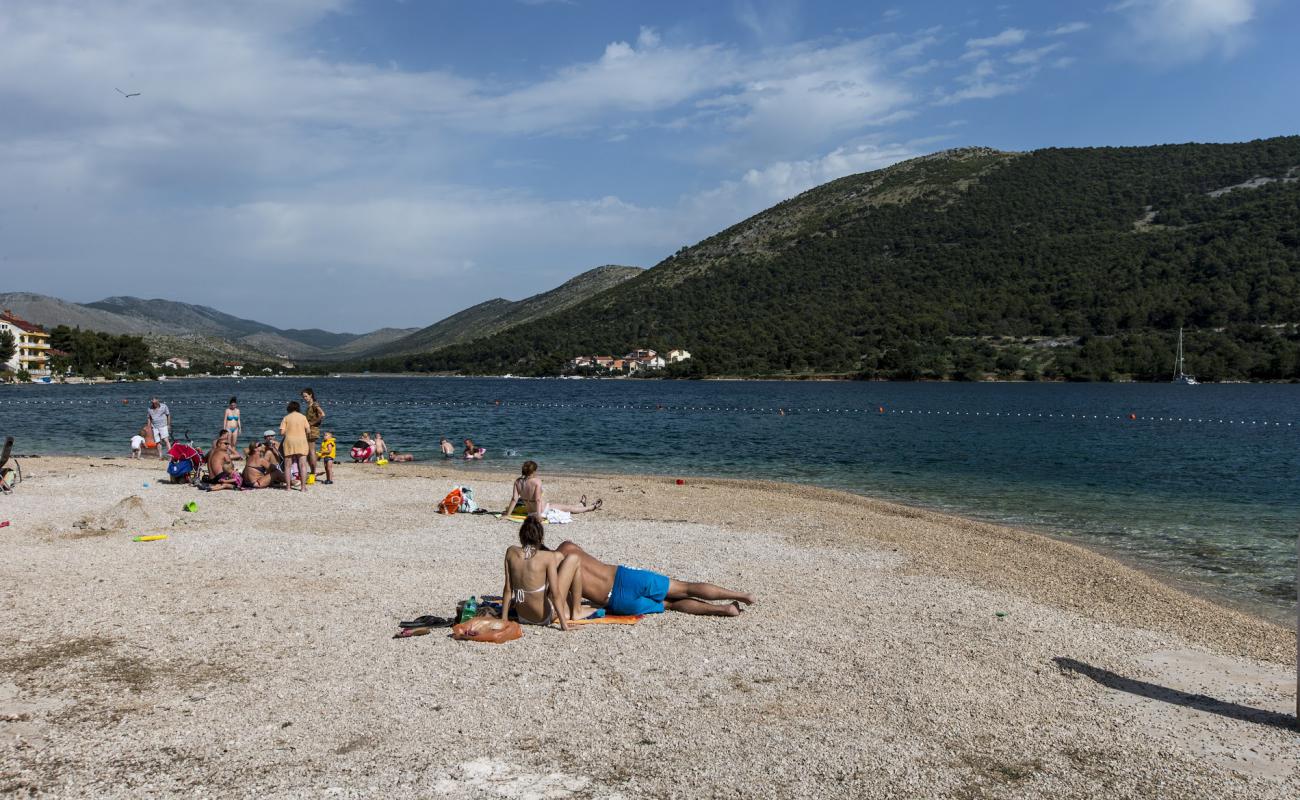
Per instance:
(137,441)
(327,453)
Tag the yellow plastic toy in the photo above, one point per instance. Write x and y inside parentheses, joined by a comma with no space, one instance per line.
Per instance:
(154,538)
(311,479)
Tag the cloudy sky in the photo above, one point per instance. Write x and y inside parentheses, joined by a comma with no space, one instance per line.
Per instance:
(350,164)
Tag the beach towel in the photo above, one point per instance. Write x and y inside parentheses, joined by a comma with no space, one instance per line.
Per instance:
(519,515)
(608,619)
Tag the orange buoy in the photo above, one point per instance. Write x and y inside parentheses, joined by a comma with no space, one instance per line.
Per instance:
(1132,416)
(881,409)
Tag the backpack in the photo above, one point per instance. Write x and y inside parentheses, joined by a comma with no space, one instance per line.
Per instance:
(451,503)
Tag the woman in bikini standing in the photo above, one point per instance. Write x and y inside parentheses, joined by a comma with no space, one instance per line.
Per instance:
(555,593)
(233,425)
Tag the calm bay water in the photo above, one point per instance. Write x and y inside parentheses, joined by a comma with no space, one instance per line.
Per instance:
(1214,503)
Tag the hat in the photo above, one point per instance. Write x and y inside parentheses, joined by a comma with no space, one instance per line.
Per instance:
(268,433)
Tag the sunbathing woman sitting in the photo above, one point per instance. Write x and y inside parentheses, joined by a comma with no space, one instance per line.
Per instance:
(542,585)
(261,469)
(528,497)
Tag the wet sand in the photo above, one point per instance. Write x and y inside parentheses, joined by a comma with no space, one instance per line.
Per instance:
(893,652)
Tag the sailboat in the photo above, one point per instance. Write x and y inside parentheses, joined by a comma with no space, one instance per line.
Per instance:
(1179,375)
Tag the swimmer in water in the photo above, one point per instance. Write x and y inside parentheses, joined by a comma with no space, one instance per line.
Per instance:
(473,451)
(448,450)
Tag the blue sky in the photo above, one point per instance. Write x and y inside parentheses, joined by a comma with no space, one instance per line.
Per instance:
(350,165)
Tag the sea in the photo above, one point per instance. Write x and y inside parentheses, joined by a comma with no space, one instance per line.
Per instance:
(1197,484)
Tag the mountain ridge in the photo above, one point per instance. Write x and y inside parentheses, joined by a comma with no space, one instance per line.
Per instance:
(949,265)
(497,314)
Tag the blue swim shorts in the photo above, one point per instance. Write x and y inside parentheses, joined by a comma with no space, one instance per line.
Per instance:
(637,591)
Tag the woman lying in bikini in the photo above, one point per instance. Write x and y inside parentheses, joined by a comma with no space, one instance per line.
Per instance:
(553,581)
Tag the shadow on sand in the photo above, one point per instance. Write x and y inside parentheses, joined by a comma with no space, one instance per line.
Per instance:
(1199,702)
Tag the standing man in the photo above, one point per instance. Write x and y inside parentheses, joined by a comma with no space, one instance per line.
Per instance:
(314,416)
(160,420)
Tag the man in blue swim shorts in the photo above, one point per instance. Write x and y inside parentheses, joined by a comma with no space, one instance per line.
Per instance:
(626,591)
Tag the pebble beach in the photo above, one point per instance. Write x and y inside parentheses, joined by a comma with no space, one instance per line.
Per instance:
(893,652)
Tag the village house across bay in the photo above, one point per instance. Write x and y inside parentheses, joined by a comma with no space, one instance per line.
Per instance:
(635,361)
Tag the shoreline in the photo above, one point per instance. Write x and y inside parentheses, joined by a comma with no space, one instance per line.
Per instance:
(891,650)
(1259,609)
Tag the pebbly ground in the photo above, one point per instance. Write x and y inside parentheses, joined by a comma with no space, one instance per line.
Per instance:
(893,652)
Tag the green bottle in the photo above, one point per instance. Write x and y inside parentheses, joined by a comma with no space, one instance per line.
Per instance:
(469,609)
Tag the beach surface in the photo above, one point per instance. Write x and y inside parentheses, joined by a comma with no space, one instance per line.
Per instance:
(893,652)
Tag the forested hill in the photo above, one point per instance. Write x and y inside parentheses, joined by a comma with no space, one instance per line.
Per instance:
(1072,263)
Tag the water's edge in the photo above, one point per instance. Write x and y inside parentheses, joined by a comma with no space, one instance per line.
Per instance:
(1260,610)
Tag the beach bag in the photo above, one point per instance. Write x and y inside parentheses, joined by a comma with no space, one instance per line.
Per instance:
(467,504)
(487,629)
(451,503)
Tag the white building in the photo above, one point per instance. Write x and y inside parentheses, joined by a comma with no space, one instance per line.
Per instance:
(31,345)
(675,356)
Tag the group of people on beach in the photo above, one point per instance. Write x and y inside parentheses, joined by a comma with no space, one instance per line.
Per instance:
(292,460)
(561,580)
(541,585)
(289,457)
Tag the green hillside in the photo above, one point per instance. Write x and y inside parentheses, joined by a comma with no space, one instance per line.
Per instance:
(497,315)
(1069,263)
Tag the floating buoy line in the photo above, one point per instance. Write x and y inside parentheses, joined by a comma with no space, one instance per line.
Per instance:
(873,410)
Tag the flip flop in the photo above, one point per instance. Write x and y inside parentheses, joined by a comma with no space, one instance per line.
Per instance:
(596,506)
(426,621)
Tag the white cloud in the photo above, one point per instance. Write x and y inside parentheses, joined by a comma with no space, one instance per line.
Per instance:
(770,21)
(249,158)
(1068,28)
(985,83)
(1033,55)
(1175,31)
(1007,38)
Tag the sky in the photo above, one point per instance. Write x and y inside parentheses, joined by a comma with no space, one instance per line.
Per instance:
(355,164)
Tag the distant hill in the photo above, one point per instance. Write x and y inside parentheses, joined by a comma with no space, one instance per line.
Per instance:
(175,328)
(493,316)
(51,311)
(1061,263)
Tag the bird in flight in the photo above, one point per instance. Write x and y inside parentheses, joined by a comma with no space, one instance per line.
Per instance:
(124,94)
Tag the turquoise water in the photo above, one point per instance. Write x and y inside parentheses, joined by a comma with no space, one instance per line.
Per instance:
(1202,485)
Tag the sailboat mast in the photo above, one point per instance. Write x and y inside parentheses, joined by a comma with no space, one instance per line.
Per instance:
(1178,362)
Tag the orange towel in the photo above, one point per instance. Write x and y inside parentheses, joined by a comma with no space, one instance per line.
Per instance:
(610,619)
